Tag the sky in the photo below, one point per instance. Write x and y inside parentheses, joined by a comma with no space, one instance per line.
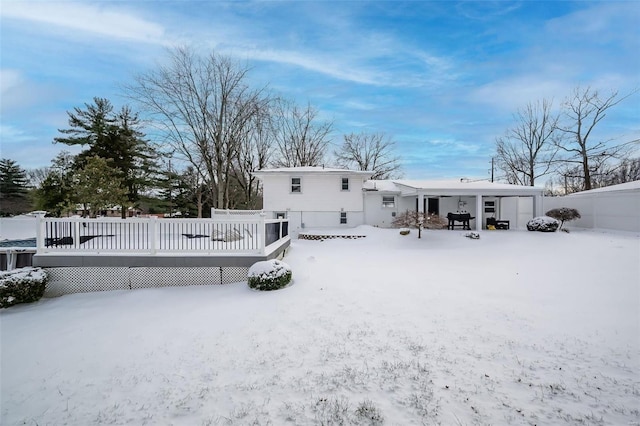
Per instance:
(442,79)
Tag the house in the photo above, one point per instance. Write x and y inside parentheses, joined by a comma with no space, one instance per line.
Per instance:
(317,197)
(314,197)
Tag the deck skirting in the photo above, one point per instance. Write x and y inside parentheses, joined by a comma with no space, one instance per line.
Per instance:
(88,279)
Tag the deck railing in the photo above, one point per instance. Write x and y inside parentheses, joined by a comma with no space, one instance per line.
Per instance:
(229,235)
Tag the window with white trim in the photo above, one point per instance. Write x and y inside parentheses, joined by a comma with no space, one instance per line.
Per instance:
(388,201)
(345,184)
(343,218)
(296,184)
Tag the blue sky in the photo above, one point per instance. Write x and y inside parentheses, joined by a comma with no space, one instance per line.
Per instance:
(443,79)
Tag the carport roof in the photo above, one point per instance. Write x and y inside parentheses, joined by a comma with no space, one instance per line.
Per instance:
(454,187)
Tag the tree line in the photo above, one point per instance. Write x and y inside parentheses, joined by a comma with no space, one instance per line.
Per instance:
(562,145)
(205,130)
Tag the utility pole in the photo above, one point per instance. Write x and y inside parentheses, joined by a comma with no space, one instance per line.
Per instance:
(492,166)
(170,187)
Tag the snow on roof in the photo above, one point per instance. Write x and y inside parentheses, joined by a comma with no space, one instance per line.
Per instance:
(380,185)
(454,185)
(628,186)
(311,169)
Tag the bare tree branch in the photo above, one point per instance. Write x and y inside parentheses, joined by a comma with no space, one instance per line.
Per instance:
(527,150)
(372,152)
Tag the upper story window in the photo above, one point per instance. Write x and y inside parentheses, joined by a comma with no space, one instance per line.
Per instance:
(345,184)
(296,184)
(388,201)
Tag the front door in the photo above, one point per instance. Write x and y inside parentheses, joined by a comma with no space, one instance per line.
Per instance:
(430,205)
(434,206)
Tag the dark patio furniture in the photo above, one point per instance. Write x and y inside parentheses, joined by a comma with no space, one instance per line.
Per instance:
(498,224)
(463,218)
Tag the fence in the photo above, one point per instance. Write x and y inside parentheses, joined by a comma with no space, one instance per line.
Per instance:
(605,208)
(222,235)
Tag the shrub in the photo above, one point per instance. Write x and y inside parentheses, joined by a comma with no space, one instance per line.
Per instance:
(543,224)
(563,214)
(405,231)
(409,219)
(22,285)
(369,413)
(269,275)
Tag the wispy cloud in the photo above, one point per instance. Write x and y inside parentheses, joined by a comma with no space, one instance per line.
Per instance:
(99,20)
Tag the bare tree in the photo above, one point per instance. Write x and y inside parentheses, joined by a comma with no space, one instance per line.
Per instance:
(527,150)
(300,139)
(373,152)
(201,106)
(584,109)
(255,154)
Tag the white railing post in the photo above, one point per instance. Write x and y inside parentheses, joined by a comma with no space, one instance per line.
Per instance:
(40,235)
(263,233)
(153,240)
(76,236)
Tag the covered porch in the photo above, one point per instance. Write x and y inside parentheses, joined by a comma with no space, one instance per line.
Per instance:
(507,206)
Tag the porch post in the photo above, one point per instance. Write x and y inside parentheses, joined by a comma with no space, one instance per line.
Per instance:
(479,212)
(421,203)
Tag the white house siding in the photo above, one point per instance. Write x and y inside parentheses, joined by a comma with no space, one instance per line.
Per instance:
(615,210)
(320,193)
(376,214)
(320,201)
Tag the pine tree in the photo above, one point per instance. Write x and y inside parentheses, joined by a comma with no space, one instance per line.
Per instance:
(13,179)
(13,188)
(116,137)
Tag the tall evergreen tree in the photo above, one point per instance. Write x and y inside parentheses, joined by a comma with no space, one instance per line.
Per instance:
(13,179)
(114,136)
(13,188)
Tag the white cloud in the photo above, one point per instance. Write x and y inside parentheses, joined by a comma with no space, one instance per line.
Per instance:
(512,93)
(101,20)
(13,135)
(8,80)
(323,65)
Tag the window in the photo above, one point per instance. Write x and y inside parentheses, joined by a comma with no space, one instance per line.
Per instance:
(345,184)
(296,185)
(281,215)
(388,201)
(343,218)
(489,206)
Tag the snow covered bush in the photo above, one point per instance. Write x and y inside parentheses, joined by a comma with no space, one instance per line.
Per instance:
(269,275)
(543,224)
(21,286)
(563,214)
(404,231)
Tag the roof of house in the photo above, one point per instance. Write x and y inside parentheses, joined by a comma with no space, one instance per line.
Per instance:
(450,187)
(311,170)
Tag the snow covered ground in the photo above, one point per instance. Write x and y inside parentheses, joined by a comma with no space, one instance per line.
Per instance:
(514,328)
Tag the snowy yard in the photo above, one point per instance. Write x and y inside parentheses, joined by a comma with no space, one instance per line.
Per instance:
(514,328)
